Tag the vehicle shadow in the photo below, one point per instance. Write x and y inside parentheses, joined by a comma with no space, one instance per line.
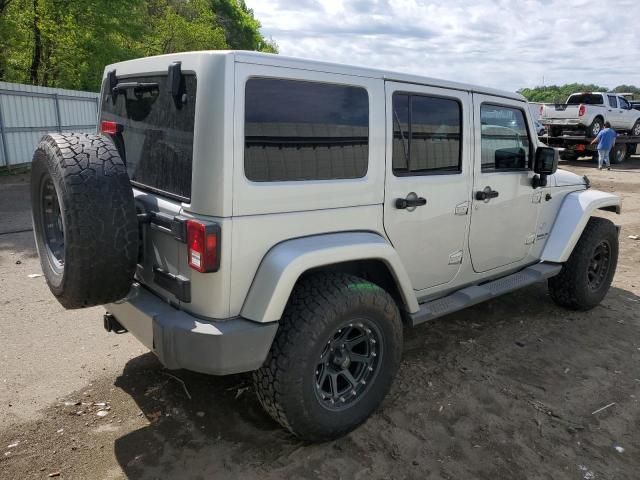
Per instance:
(221,431)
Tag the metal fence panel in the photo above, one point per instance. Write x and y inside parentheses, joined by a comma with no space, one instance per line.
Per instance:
(28,112)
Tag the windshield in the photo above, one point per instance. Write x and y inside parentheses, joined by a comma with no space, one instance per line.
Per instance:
(155,138)
(585,98)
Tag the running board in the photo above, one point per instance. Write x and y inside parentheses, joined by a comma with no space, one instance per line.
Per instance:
(479,293)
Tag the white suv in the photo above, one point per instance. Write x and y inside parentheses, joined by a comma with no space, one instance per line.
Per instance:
(249,212)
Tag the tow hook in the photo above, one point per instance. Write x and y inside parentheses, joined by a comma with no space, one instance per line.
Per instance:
(112,325)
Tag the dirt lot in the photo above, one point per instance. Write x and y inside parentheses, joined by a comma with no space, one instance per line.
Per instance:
(504,390)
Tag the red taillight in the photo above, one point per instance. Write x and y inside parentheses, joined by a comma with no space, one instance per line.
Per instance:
(581,110)
(203,243)
(110,128)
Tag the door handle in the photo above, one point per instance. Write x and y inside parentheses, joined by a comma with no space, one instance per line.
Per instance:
(410,202)
(486,194)
(403,203)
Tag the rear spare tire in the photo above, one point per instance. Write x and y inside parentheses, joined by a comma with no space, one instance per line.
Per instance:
(84,219)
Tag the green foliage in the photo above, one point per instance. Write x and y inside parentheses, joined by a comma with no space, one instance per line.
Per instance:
(628,89)
(558,94)
(67,43)
(242,29)
(178,26)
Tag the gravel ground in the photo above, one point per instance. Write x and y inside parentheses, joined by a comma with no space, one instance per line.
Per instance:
(503,390)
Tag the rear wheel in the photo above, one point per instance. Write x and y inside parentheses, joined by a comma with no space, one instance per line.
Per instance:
(586,277)
(555,131)
(594,129)
(568,155)
(84,219)
(618,153)
(334,357)
(635,130)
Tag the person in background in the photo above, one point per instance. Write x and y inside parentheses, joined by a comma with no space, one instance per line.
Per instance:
(606,140)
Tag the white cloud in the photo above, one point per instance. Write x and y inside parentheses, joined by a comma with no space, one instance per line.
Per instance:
(504,44)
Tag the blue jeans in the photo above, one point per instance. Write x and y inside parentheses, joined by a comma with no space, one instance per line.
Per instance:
(603,158)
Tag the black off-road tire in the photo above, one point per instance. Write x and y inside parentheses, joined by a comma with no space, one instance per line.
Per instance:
(84,219)
(287,385)
(569,156)
(555,131)
(618,154)
(571,288)
(596,126)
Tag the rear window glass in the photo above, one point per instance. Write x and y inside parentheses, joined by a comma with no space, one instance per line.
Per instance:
(156,133)
(586,98)
(299,130)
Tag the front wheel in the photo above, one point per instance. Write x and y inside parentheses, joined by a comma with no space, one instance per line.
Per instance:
(334,357)
(635,130)
(586,277)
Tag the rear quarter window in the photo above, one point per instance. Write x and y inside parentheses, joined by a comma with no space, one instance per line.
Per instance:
(300,130)
(156,133)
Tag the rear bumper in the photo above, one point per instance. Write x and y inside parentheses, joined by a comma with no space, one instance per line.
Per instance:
(181,340)
(562,122)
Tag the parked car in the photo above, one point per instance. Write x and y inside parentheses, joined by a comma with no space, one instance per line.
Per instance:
(245,212)
(589,111)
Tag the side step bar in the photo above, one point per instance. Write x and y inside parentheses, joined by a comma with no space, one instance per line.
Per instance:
(479,293)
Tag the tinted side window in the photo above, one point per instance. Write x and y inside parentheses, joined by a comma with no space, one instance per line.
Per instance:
(504,138)
(613,101)
(624,104)
(426,135)
(298,130)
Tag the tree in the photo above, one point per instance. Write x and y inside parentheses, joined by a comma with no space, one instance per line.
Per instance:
(242,29)
(179,26)
(628,89)
(67,43)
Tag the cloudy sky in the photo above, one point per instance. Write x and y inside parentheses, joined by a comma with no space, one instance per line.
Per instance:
(506,44)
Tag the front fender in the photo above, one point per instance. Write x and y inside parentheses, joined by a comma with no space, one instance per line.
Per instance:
(284,263)
(574,213)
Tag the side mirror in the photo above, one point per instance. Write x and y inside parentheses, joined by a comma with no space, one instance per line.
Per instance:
(546,163)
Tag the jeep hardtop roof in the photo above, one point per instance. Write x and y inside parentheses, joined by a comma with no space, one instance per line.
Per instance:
(270,59)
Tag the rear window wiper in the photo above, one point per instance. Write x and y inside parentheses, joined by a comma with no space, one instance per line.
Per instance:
(135,86)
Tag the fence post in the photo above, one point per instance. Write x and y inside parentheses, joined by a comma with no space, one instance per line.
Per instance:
(5,154)
(57,102)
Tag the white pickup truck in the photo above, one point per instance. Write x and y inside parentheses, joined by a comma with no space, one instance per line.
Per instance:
(589,111)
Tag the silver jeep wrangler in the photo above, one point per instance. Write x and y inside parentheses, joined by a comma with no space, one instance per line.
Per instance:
(249,212)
